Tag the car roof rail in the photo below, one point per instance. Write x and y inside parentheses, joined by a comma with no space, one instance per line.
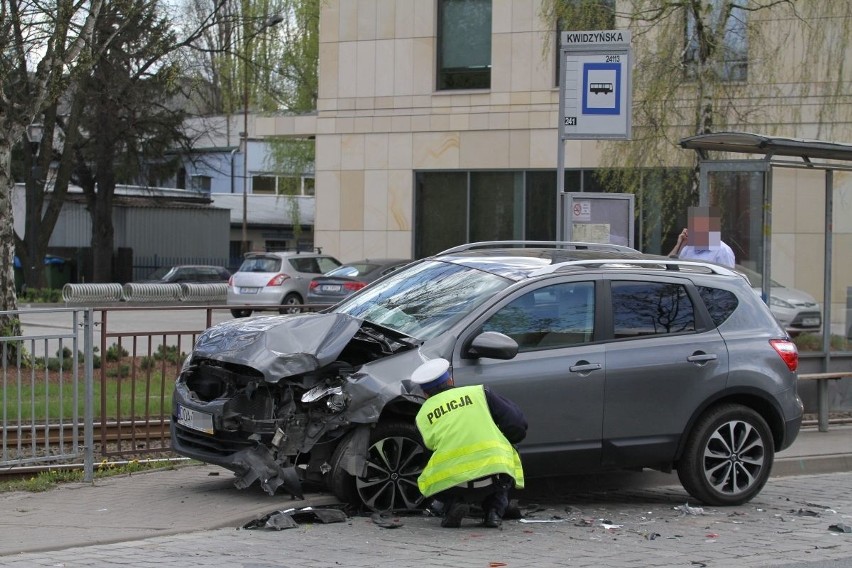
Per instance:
(576,245)
(662,263)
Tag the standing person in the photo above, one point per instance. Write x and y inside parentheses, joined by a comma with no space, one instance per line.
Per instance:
(471,432)
(703,238)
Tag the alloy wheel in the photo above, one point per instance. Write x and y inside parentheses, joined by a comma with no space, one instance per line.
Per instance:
(734,457)
(390,483)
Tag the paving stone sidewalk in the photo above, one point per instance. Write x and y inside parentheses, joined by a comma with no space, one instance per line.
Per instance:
(189,516)
(788,523)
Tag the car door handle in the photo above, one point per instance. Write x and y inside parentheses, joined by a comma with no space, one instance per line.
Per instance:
(584,367)
(702,358)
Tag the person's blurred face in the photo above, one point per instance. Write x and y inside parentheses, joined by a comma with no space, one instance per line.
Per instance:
(705,227)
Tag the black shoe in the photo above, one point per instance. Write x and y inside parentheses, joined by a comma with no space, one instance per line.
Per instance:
(453,518)
(492,520)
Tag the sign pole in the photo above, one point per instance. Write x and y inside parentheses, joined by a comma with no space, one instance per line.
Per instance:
(595,97)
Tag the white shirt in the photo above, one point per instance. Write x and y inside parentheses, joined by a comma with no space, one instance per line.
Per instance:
(722,254)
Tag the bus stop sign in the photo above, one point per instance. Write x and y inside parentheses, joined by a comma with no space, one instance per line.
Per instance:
(595,93)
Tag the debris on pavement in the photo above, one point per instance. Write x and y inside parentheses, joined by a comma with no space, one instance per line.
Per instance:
(385,521)
(687,510)
(841,528)
(290,518)
(805,513)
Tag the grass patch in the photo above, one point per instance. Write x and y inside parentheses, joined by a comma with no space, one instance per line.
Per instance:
(813,342)
(39,395)
(47,480)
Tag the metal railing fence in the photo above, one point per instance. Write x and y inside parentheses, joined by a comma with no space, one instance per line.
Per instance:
(46,388)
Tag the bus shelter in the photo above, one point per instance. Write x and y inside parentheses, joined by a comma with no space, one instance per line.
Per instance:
(788,215)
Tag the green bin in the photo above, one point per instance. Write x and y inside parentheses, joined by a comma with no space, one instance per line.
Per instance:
(57,271)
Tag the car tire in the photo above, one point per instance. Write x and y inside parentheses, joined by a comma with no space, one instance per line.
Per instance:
(291,304)
(395,458)
(728,456)
(241,313)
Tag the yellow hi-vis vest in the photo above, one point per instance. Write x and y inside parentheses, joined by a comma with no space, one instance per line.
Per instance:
(457,426)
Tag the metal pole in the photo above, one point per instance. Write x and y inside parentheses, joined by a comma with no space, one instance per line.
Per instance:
(822,386)
(88,403)
(245,244)
(561,233)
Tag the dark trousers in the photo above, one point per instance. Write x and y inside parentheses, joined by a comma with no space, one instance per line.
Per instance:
(494,496)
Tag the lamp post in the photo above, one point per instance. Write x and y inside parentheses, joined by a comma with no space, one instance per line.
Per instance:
(35,134)
(271,21)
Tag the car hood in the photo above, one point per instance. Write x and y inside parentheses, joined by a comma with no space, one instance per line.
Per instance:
(791,296)
(279,346)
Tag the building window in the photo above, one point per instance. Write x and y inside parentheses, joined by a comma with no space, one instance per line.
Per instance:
(452,208)
(309,186)
(263,184)
(202,183)
(283,185)
(731,61)
(464,44)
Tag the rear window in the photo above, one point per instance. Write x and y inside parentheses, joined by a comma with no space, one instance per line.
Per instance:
(650,308)
(261,264)
(720,303)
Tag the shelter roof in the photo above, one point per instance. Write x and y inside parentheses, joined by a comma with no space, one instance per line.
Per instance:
(748,143)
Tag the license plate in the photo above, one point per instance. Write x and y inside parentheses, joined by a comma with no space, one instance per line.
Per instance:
(249,290)
(200,421)
(810,321)
(331,287)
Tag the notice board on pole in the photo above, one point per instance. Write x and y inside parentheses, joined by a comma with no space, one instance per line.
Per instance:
(605,218)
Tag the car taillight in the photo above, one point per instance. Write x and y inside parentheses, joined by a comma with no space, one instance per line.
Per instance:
(788,352)
(313,285)
(277,280)
(353,286)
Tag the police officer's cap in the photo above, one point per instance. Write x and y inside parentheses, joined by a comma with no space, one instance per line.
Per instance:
(431,374)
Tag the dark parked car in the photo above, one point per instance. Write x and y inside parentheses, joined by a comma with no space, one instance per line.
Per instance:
(339,283)
(189,273)
(618,359)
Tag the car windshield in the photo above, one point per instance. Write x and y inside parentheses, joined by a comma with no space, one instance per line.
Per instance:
(425,299)
(756,278)
(349,270)
(160,273)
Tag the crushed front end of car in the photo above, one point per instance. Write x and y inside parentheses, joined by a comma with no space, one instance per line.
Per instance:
(269,398)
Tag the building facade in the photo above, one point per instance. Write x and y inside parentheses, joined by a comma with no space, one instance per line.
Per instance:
(424,142)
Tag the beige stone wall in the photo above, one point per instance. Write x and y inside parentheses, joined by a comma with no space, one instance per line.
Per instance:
(379,119)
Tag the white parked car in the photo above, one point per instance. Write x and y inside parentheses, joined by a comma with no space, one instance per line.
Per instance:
(796,310)
(276,279)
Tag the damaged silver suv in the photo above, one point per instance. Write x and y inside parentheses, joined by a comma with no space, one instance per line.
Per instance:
(618,359)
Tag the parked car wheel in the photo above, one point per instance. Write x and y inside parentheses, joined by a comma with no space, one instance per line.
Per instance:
(728,456)
(241,313)
(291,304)
(395,459)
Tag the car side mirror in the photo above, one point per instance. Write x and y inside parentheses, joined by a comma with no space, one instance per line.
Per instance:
(493,345)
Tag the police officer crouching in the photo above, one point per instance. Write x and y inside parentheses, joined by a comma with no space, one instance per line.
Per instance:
(471,432)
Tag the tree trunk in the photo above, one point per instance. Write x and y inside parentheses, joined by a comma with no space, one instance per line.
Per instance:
(101,210)
(8,299)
